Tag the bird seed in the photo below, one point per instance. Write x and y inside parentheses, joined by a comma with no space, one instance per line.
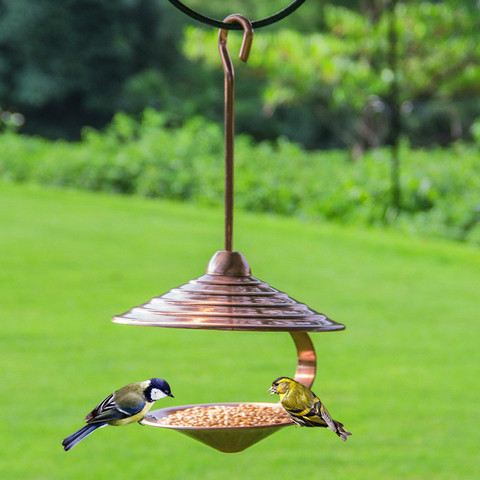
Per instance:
(227,416)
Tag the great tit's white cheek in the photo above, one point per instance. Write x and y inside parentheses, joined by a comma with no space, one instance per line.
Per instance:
(157,394)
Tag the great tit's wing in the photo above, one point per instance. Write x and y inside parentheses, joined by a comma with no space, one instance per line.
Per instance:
(105,411)
(110,409)
(130,401)
(106,404)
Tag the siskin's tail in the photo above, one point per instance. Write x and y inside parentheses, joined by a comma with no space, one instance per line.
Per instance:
(79,435)
(341,432)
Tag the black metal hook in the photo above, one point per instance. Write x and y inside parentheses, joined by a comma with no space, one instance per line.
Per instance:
(235,26)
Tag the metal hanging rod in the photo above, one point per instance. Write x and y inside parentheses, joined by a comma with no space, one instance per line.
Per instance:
(247,27)
(235,26)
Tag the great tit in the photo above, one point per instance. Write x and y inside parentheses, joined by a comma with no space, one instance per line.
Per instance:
(304,407)
(127,405)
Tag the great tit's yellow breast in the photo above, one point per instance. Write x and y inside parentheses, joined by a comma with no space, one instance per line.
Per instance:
(134,418)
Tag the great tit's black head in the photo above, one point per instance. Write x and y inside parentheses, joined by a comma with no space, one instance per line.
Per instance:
(157,389)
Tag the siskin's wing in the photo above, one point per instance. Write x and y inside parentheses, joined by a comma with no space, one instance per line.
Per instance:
(307,417)
(314,416)
(322,412)
(308,420)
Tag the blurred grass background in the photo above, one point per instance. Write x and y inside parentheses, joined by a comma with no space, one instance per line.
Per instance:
(403,377)
(367,77)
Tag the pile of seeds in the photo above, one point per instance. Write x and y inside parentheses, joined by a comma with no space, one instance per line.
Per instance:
(224,416)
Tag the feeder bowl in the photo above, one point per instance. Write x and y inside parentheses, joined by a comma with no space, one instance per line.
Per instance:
(225,439)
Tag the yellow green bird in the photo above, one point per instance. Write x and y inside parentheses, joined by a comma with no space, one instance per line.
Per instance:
(127,405)
(304,407)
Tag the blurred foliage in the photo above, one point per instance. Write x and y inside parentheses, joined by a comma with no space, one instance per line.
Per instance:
(333,88)
(320,77)
(151,158)
(65,64)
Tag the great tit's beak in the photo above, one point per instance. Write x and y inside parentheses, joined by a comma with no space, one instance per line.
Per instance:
(170,395)
(272,390)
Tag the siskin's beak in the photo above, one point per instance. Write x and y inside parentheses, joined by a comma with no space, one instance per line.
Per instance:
(272,390)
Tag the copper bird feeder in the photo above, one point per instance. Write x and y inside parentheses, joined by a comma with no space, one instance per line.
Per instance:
(228,297)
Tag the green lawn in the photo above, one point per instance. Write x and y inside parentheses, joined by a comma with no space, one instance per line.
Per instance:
(403,377)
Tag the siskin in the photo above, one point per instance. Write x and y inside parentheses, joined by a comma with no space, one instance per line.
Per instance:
(304,407)
(127,405)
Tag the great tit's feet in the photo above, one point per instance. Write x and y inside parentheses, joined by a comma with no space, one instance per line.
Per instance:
(146,416)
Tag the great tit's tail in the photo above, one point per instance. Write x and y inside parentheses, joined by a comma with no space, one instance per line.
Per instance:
(341,432)
(79,435)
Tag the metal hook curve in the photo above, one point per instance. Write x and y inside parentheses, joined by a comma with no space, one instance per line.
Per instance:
(230,112)
(246,42)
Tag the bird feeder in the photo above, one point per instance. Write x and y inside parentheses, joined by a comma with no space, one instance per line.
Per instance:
(228,297)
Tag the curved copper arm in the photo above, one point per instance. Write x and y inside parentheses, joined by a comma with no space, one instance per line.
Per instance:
(229,113)
(307,362)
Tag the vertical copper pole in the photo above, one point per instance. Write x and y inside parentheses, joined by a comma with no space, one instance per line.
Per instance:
(307,362)
(230,113)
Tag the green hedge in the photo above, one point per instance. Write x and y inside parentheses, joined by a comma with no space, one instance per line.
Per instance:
(440,187)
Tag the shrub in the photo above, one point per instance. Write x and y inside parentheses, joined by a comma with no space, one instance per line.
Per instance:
(155,158)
